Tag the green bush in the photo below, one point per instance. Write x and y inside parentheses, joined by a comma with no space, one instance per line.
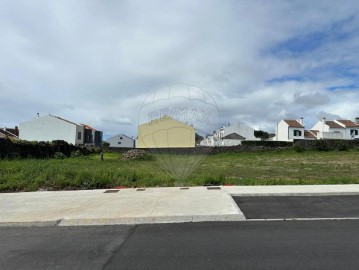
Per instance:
(298,147)
(76,153)
(267,143)
(14,149)
(321,145)
(215,181)
(59,155)
(341,146)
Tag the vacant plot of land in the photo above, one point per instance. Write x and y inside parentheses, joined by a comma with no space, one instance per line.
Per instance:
(264,168)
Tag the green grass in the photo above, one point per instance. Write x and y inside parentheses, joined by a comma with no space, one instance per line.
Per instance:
(265,168)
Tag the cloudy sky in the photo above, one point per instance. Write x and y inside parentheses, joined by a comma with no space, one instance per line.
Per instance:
(95,61)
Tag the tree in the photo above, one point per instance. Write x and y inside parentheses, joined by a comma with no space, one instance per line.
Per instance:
(198,138)
(263,135)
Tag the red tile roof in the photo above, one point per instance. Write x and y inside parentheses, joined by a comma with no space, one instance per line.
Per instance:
(348,123)
(332,124)
(293,123)
(88,127)
(308,134)
(7,133)
(314,131)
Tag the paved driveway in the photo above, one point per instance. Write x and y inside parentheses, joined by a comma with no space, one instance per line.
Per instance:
(284,207)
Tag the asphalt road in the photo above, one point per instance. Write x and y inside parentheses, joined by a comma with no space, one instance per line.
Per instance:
(221,245)
(280,207)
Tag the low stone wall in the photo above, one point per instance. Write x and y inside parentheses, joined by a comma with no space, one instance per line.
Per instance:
(253,146)
(330,144)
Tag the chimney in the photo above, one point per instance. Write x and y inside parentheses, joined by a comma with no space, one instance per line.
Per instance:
(17,131)
(323,124)
(301,121)
(38,115)
(357,120)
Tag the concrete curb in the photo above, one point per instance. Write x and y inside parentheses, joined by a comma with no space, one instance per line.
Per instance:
(149,220)
(49,223)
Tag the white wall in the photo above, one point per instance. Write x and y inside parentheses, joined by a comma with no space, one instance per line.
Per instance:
(243,130)
(321,127)
(282,131)
(82,130)
(286,133)
(291,134)
(333,133)
(121,140)
(231,142)
(330,135)
(49,128)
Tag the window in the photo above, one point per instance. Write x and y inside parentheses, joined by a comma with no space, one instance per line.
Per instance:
(119,142)
(354,132)
(79,135)
(120,138)
(297,132)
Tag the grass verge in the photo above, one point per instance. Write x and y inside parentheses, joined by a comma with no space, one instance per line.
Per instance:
(264,168)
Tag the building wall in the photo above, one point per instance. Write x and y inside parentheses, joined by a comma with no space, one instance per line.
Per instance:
(330,135)
(243,130)
(282,131)
(121,140)
(48,128)
(79,129)
(321,127)
(291,134)
(231,142)
(165,132)
(348,136)
(286,133)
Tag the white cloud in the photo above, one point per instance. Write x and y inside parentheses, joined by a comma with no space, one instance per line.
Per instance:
(94,61)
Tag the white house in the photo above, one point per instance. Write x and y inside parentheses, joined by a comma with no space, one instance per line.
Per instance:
(336,129)
(50,128)
(289,130)
(121,140)
(207,141)
(230,136)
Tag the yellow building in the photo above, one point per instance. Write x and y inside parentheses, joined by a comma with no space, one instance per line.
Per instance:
(165,132)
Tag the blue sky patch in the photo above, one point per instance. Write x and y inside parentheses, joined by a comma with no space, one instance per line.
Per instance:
(313,40)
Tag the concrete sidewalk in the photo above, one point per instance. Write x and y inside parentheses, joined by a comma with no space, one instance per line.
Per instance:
(138,206)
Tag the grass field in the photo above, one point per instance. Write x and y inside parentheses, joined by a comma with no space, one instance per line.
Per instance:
(265,168)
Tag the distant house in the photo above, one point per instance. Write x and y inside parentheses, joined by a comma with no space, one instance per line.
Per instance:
(9,133)
(232,139)
(165,132)
(92,136)
(230,136)
(336,129)
(289,130)
(50,128)
(122,141)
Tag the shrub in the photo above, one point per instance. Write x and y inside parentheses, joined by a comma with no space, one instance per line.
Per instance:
(341,146)
(215,181)
(106,145)
(298,147)
(320,145)
(136,154)
(267,143)
(59,155)
(76,153)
